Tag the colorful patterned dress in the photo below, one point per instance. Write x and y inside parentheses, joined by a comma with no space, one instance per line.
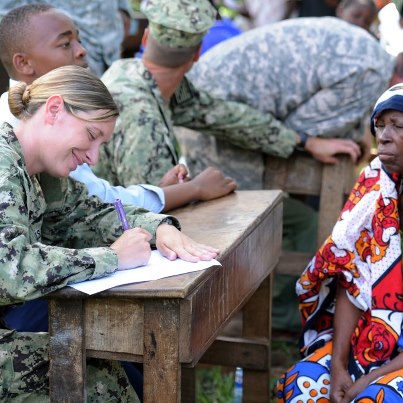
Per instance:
(363,255)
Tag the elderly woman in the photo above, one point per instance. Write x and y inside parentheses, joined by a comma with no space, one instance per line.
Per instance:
(351,293)
(53,234)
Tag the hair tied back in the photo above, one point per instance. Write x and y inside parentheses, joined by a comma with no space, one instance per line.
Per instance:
(26,96)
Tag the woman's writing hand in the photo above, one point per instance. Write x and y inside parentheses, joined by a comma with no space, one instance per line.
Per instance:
(133,248)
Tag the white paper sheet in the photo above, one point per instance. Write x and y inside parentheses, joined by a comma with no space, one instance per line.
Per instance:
(158,267)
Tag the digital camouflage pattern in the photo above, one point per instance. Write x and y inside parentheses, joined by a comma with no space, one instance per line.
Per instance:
(179,23)
(24,365)
(144,146)
(99,23)
(317,75)
(320,76)
(35,214)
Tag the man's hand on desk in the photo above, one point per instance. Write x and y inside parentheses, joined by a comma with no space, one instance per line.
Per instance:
(178,174)
(326,149)
(211,184)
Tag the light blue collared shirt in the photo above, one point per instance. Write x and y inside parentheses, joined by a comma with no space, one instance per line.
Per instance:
(146,196)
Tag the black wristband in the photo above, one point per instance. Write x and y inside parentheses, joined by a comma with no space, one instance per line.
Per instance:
(301,145)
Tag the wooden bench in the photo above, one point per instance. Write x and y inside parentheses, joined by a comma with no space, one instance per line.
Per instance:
(301,174)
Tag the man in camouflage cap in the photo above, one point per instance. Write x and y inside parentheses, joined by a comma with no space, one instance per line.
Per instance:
(153,95)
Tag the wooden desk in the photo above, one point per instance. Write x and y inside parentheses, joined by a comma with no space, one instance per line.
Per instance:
(170,323)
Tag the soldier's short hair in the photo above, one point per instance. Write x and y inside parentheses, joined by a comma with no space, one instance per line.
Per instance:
(167,56)
(15,31)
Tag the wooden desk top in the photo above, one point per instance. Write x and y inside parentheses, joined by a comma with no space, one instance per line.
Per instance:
(230,219)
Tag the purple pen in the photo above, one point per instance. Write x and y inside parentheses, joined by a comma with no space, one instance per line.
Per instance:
(121,214)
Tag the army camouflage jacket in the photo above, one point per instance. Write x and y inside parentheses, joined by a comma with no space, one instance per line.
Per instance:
(320,76)
(43,224)
(144,147)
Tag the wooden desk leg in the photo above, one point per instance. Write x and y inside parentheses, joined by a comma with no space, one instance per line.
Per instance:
(257,323)
(66,351)
(162,369)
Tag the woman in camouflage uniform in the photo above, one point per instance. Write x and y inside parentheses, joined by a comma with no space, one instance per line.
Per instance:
(53,234)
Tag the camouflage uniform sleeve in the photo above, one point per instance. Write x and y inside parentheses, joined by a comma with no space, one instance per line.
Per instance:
(29,268)
(142,147)
(137,151)
(234,122)
(80,221)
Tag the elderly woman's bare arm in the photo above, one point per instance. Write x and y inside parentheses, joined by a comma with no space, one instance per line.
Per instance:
(345,321)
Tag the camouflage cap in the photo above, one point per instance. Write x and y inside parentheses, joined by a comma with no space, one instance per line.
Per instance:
(179,23)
